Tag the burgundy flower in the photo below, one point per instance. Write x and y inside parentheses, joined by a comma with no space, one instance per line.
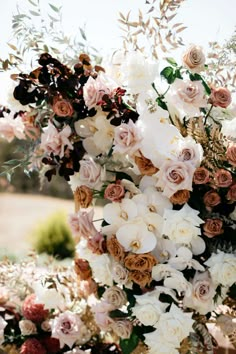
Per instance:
(32,346)
(32,311)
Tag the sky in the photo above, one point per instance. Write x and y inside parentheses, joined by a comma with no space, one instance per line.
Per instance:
(206,20)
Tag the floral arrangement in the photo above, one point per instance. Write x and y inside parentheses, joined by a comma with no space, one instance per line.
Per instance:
(157,146)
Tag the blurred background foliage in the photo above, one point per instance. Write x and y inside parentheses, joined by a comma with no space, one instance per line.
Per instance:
(54,237)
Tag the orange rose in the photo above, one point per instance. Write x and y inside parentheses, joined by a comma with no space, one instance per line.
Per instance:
(83,197)
(180,197)
(115,249)
(145,166)
(82,269)
(142,262)
(140,278)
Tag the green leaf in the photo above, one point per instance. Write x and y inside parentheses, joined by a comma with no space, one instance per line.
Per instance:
(161,103)
(128,345)
(32,3)
(168,74)
(83,34)
(118,313)
(197,77)
(34,13)
(171,61)
(56,9)
(12,162)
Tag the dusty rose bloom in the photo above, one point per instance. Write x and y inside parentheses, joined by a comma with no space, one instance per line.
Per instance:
(62,108)
(82,269)
(180,197)
(83,197)
(122,328)
(90,173)
(120,274)
(213,227)
(96,243)
(114,192)
(231,154)
(211,199)
(194,58)
(220,97)
(201,176)
(223,178)
(231,194)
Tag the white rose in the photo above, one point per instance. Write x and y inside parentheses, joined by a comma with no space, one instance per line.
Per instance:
(27,327)
(175,325)
(158,344)
(147,314)
(190,151)
(101,268)
(222,267)
(127,138)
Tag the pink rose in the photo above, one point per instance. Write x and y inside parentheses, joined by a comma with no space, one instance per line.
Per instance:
(90,173)
(11,128)
(54,141)
(223,178)
(114,192)
(62,108)
(67,328)
(101,314)
(127,138)
(82,224)
(220,97)
(95,89)
(174,176)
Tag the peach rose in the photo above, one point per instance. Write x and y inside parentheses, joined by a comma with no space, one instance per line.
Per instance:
(201,175)
(140,278)
(122,328)
(114,192)
(213,227)
(115,296)
(62,108)
(211,199)
(115,249)
(223,178)
(180,197)
(141,262)
(220,97)
(194,58)
(83,197)
(145,166)
(231,154)
(231,194)
(82,269)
